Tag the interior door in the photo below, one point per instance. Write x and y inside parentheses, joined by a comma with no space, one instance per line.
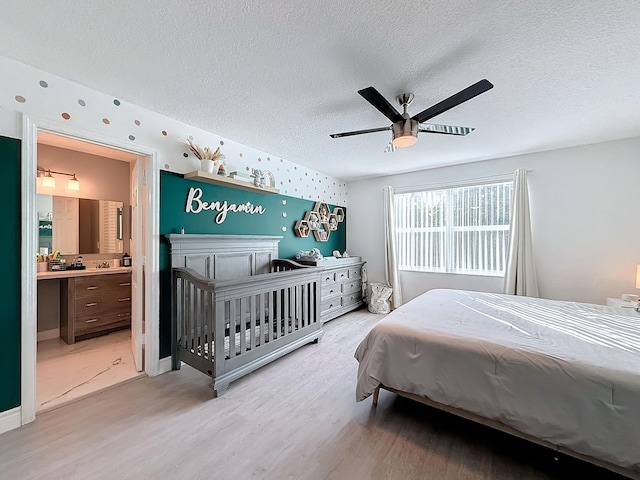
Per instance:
(137,257)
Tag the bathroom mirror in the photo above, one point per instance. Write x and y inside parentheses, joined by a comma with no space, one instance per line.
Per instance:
(79,225)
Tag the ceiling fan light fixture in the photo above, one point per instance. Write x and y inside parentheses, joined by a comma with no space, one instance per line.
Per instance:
(405,133)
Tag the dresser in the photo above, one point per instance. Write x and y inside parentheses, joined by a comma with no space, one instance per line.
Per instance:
(94,305)
(341,285)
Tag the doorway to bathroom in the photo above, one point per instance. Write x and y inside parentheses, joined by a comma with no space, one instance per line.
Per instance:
(61,364)
(85,216)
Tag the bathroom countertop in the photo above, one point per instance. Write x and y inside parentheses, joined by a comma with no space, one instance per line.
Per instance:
(82,273)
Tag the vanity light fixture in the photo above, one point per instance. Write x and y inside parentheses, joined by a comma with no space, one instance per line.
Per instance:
(49,180)
(74,183)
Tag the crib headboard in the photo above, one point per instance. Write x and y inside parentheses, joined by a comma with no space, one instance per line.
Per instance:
(222,257)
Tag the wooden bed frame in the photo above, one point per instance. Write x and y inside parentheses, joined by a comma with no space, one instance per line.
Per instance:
(504,428)
(243,309)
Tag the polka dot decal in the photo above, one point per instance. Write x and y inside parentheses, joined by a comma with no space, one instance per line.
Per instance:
(292,179)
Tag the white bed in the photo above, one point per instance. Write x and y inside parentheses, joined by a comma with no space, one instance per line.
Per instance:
(562,373)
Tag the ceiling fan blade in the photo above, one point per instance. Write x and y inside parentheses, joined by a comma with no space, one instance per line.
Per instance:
(445,129)
(454,100)
(359,132)
(374,97)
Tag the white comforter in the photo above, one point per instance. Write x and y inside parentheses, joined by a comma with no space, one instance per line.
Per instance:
(564,372)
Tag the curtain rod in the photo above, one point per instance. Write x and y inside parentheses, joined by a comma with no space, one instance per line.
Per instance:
(460,183)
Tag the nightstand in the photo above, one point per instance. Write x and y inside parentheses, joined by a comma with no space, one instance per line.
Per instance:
(628,307)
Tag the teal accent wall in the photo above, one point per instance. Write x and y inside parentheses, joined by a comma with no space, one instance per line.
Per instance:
(10,243)
(173,197)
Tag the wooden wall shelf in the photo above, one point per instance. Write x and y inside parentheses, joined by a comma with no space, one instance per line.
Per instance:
(216,179)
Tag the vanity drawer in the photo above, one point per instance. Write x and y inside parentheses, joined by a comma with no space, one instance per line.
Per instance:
(94,304)
(102,284)
(105,321)
(103,303)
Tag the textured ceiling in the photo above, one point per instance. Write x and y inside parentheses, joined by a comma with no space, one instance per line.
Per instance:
(280,76)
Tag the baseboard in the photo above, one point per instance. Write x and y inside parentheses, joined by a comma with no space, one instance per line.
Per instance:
(10,419)
(164,365)
(48,334)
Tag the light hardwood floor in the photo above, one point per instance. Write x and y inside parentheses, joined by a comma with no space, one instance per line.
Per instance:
(296,418)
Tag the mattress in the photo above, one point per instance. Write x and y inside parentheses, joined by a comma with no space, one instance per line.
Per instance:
(564,372)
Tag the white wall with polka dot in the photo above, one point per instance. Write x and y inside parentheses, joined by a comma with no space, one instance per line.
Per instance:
(24,89)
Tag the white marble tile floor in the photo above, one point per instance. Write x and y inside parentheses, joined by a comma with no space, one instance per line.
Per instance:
(66,373)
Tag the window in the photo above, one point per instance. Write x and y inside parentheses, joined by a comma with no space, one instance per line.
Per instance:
(454,230)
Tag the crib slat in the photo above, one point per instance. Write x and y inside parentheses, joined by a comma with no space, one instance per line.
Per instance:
(305,305)
(285,301)
(190,311)
(270,318)
(243,325)
(253,303)
(232,328)
(279,314)
(211,332)
(262,317)
(202,332)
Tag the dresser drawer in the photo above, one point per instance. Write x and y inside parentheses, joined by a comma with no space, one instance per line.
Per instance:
(351,286)
(330,290)
(342,275)
(102,285)
(115,302)
(105,321)
(355,272)
(330,304)
(328,277)
(351,298)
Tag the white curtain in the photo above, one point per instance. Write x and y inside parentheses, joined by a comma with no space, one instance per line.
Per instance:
(520,273)
(390,256)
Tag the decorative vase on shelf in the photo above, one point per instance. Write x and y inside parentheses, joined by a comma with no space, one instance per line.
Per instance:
(222,169)
(207,165)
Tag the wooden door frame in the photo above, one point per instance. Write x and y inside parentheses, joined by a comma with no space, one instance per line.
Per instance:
(28,311)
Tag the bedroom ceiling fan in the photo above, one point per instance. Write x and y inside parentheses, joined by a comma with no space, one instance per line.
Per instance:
(404,128)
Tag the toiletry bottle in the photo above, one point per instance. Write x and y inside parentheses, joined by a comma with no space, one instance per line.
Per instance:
(126,260)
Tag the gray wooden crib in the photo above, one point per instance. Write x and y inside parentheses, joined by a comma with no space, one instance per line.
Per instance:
(236,306)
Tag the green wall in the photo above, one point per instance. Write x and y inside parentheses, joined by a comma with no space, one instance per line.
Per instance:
(173,197)
(10,244)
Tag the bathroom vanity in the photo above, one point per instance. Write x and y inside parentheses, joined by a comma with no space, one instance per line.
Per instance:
(93,302)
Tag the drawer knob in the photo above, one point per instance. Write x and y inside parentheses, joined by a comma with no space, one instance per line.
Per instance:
(126,284)
(92,304)
(93,287)
(124,299)
(91,321)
